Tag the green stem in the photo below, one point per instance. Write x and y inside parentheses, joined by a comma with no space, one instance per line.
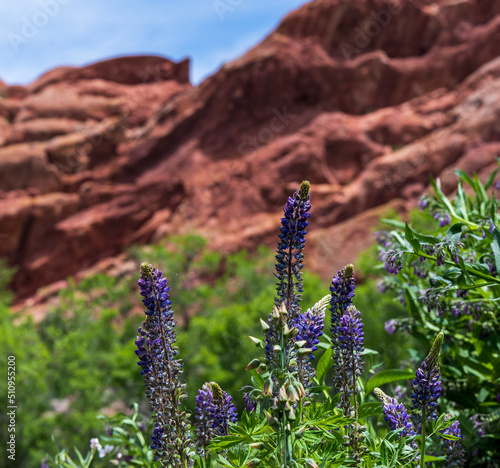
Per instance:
(422,448)
(470,270)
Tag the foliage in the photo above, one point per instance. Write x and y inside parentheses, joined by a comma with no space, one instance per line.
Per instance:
(448,278)
(292,418)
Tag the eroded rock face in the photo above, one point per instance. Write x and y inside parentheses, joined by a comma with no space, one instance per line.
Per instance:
(364,98)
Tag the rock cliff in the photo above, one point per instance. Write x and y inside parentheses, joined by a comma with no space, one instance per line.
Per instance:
(364,98)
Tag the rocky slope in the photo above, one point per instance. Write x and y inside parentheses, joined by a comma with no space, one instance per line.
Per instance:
(364,98)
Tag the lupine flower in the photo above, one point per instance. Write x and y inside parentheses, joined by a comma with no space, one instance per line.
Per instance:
(204,430)
(309,327)
(249,403)
(289,252)
(348,358)
(395,414)
(453,450)
(426,387)
(162,372)
(342,290)
(390,326)
(214,412)
(398,392)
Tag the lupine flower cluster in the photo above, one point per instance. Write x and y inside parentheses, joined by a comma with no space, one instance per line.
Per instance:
(162,371)
(347,336)
(214,412)
(426,386)
(307,326)
(350,356)
(342,290)
(452,449)
(395,414)
(289,252)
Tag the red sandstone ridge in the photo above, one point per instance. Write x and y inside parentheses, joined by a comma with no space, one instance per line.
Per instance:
(364,98)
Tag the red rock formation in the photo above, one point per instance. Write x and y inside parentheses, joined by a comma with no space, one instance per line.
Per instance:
(364,98)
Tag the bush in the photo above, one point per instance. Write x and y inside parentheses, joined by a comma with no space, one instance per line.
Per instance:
(449,279)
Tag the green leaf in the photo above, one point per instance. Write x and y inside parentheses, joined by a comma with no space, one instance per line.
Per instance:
(432,458)
(495,246)
(436,184)
(410,238)
(461,202)
(324,364)
(455,231)
(369,409)
(387,376)
(258,378)
(465,177)
(319,388)
(481,192)
(490,180)
(394,222)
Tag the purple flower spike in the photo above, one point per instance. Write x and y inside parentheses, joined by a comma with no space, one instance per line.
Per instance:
(395,414)
(342,290)
(289,252)
(162,371)
(214,412)
(348,357)
(310,328)
(453,449)
(426,385)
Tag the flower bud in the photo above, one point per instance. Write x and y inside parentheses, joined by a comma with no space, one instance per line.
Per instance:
(310,463)
(282,394)
(264,325)
(292,393)
(299,433)
(277,348)
(271,420)
(300,389)
(253,462)
(267,390)
(261,369)
(304,351)
(291,414)
(299,344)
(253,364)
(257,342)
(257,445)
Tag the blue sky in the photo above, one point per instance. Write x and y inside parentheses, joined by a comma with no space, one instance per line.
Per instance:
(37,35)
